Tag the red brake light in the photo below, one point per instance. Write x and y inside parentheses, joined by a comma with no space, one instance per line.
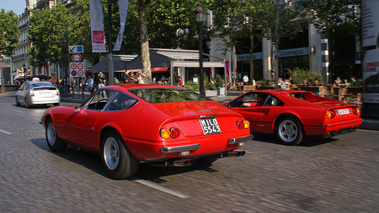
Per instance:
(356,110)
(240,124)
(174,132)
(31,93)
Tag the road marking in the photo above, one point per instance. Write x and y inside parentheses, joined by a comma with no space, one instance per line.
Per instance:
(17,110)
(3,131)
(162,188)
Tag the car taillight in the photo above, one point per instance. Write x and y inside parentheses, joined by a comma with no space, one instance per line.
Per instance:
(31,93)
(57,92)
(356,110)
(330,114)
(167,133)
(245,124)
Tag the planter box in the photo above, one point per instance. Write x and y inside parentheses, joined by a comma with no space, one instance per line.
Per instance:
(210,93)
(221,91)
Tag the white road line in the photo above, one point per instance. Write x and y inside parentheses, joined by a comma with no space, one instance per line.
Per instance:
(3,131)
(162,188)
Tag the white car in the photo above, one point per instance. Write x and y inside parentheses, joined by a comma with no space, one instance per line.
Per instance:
(36,93)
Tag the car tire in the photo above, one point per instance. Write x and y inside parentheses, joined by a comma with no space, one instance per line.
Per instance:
(56,104)
(119,163)
(53,141)
(289,131)
(27,105)
(17,103)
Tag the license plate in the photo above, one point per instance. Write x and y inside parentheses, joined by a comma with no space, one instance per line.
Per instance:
(210,126)
(343,111)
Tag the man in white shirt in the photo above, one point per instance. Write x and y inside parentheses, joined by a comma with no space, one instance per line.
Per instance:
(90,84)
(245,79)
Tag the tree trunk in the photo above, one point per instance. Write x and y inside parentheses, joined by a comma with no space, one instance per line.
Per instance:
(144,39)
(251,51)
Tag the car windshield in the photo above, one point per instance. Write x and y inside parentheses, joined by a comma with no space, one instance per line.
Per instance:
(165,95)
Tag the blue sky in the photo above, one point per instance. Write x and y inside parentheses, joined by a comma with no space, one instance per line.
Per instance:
(16,5)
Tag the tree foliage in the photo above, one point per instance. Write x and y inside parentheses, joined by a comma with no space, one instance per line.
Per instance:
(48,29)
(330,14)
(9,32)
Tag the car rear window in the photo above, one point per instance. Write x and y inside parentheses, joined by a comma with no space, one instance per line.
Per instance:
(42,84)
(165,95)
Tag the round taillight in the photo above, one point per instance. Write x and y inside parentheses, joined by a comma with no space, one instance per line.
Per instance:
(330,114)
(174,132)
(356,110)
(240,124)
(165,133)
(246,124)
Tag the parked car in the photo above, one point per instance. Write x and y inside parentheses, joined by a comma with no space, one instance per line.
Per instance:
(295,115)
(37,92)
(141,123)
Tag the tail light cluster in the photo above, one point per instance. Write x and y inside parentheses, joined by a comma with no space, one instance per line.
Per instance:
(245,124)
(330,114)
(173,132)
(31,93)
(57,92)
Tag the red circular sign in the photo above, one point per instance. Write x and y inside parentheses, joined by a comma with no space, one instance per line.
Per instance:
(76,57)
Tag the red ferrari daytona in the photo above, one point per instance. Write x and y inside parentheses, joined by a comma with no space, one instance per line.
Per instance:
(155,124)
(294,115)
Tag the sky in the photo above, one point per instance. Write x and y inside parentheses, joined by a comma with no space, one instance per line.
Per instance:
(16,5)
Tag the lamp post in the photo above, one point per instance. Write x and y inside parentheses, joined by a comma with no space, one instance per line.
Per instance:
(199,19)
(65,74)
(23,71)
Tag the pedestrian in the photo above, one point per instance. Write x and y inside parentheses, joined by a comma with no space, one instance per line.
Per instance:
(338,82)
(180,81)
(130,77)
(100,79)
(282,85)
(90,84)
(245,79)
(141,77)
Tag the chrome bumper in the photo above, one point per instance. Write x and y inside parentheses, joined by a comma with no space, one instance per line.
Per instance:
(176,149)
(240,140)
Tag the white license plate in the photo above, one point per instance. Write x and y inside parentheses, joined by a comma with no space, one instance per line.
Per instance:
(210,126)
(343,111)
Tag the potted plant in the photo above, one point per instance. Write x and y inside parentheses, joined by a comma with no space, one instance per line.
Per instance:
(220,85)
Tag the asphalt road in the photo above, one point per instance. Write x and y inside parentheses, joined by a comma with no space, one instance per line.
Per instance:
(336,175)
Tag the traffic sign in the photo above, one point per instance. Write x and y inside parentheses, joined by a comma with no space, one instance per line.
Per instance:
(76,49)
(76,57)
(76,69)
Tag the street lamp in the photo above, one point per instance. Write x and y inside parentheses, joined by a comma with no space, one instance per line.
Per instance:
(23,71)
(65,83)
(200,13)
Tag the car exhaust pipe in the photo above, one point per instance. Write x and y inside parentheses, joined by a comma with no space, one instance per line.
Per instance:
(182,163)
(233,154)
(174,163)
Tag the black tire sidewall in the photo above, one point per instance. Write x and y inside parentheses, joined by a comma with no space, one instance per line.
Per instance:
(300,136)
(127,165)
(59,145)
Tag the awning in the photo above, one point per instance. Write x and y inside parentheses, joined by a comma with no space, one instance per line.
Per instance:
(159,69)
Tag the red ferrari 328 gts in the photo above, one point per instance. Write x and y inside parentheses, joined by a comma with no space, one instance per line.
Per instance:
(155,124)
(294,115)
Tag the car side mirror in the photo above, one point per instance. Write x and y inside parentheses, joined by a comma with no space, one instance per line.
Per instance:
(76,108)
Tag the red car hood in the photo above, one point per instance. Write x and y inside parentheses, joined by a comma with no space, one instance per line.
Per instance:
(193,108)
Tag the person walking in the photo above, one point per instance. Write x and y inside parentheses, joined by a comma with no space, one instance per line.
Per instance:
(100,79)
(130,77)
(90,84)
(245,79)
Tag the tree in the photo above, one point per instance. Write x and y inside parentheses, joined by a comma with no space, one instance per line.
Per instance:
(282,20)
(328,15)
(8,32)
(48,29)
(235,20)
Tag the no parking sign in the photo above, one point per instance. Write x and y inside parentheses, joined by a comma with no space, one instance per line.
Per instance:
(76,69)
